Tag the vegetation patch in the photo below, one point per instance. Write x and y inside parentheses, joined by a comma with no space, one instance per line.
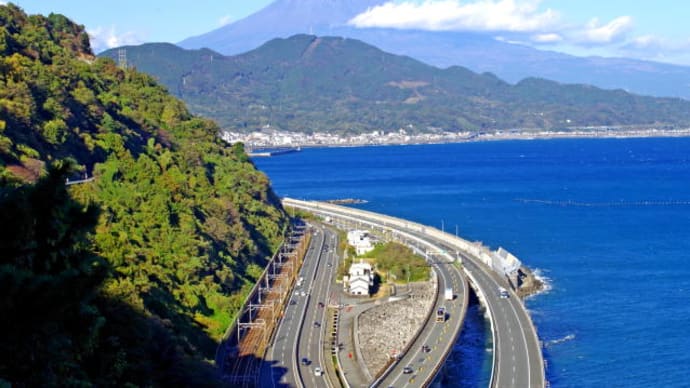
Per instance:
(397,263)
(132,278)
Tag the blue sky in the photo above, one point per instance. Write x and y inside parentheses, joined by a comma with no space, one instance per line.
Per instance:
(656,30)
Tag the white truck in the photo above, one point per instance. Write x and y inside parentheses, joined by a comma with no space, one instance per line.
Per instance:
(448,294)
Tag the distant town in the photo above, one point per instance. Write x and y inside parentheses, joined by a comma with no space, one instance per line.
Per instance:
(277,138)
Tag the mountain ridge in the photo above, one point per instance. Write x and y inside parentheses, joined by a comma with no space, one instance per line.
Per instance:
(346,85)
(286,18)
(475,51)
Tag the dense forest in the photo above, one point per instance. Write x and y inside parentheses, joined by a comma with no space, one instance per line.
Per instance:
(133,276)
(325,84)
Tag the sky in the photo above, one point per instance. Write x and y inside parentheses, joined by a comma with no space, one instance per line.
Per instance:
(655,30)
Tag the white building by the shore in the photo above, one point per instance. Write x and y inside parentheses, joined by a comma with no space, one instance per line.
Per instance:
(360,279)
(360,240)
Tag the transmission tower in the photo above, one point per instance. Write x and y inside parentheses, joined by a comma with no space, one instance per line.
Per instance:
(122,58)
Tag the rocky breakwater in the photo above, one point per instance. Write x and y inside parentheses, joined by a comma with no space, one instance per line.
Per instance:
(528,283)
(389,327)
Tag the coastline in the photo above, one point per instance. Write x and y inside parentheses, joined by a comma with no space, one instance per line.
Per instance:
(377,138)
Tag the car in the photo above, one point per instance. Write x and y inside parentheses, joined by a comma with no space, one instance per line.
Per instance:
(305,361)
(426,349)
(317,324)
(407,370)
(503,293)
(293,302)
(329,265)
(321,304)
(318,371)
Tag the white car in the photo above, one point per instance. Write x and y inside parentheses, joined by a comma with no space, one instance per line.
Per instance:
(318,371)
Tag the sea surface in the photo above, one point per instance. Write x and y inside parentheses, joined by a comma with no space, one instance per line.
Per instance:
(607,221)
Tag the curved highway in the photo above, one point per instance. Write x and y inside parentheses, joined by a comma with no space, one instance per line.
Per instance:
(518,359)
(433,343)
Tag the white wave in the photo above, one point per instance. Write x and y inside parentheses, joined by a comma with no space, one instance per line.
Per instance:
(567,338)
(545,280)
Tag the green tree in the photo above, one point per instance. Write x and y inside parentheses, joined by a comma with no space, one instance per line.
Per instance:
(49,277)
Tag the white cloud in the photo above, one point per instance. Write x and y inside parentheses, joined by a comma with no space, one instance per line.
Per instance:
(550,37)
(105,38)
(527,22)
(225,20)
(441,15)
(615,30)
(657,48)
(646,42)
(2,2)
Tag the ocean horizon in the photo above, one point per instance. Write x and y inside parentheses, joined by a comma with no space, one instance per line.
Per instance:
(605,221)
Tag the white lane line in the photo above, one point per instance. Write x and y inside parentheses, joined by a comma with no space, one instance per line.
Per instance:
(524,340)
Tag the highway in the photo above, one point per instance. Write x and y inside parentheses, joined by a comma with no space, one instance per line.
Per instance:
(297,335)
(437,337)
(518,359)
(311,340)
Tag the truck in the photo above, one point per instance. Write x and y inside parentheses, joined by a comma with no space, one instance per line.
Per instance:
(448,294)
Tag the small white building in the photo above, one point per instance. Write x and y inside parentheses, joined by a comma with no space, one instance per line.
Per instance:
(360,240)
(360,279)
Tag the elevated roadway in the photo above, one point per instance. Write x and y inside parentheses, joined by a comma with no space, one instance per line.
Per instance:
(518,360)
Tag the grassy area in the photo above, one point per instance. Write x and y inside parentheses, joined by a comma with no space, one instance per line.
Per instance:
(397,263)
(298,213)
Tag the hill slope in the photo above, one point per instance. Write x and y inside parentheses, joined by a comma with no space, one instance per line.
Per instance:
(131,278)
(480,53)
(308,83)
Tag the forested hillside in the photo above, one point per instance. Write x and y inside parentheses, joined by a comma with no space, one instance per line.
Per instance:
(134,276)
(325,84)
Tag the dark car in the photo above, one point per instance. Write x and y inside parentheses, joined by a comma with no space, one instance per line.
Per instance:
(317,324)
(321,304)
(305,361)
(426,349)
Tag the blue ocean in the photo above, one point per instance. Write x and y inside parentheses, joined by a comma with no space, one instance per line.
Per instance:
(606,221)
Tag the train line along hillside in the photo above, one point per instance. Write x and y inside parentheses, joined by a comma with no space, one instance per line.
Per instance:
(327,84)
(132,276)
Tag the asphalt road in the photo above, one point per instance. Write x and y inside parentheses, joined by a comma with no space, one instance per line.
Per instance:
(297,335)
(438,337)
(312,335)
(518,360)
